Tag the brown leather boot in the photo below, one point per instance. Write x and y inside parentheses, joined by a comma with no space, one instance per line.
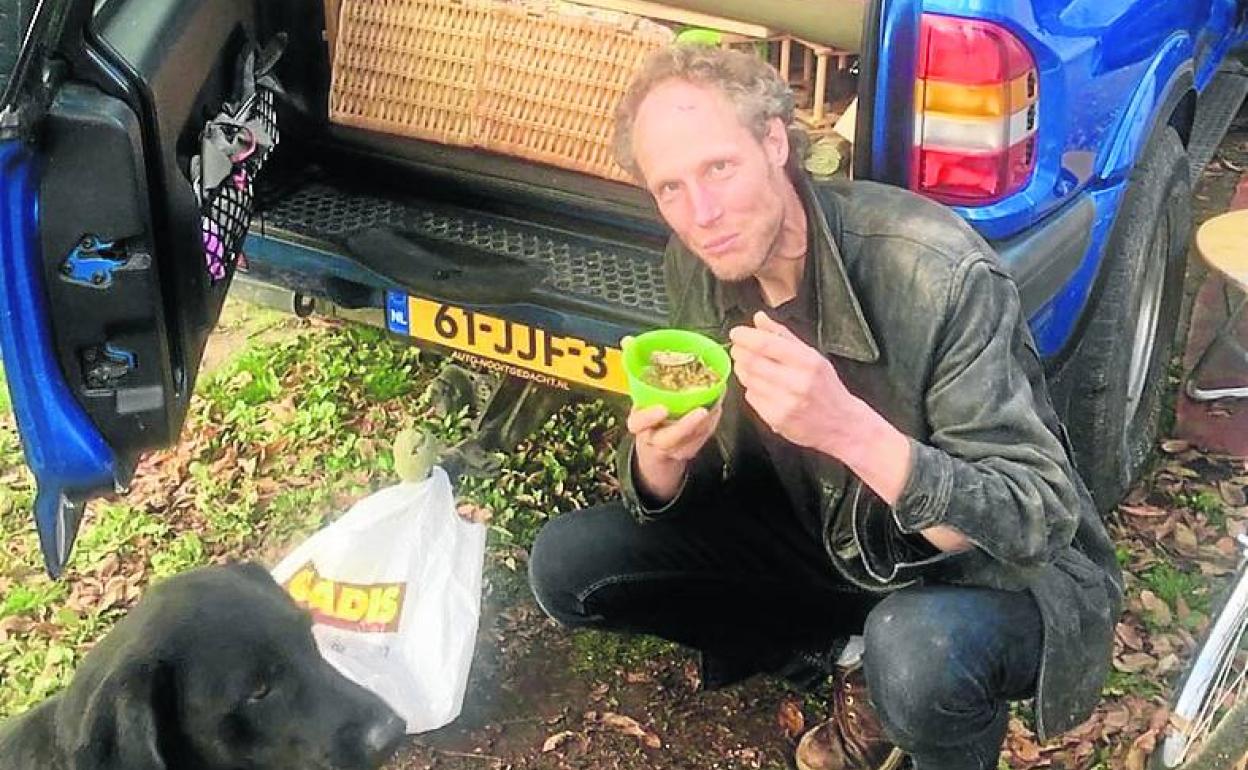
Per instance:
(853,739)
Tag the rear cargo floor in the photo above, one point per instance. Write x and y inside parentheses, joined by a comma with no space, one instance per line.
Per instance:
(602,278)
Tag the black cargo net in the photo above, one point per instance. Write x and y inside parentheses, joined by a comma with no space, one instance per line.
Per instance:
(234,147)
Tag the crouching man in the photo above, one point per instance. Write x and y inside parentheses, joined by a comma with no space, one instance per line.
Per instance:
(886,461)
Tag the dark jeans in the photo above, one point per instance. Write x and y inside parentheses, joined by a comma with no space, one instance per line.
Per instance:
(941,662)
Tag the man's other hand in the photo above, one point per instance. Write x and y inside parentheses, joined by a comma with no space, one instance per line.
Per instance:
(790,385)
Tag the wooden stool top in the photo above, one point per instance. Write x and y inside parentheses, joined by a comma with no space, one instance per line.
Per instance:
(1223,244)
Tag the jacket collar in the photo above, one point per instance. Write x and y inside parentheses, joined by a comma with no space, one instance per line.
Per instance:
(841,327)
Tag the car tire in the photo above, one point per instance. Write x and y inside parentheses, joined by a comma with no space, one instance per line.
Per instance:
(1118,372)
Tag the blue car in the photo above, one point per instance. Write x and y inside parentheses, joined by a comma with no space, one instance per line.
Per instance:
(139,139)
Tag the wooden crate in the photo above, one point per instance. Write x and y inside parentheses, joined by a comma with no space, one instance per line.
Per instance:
(817,60)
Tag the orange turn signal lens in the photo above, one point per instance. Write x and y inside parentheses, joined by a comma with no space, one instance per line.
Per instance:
(995,101)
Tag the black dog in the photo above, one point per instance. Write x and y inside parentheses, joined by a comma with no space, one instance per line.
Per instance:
(215,669)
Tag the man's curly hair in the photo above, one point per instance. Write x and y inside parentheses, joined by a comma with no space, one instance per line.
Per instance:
(748,82)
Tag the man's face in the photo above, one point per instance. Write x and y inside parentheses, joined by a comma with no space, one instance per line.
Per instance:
(718,187)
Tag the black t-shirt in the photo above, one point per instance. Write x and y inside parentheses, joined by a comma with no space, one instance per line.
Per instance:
(785,458)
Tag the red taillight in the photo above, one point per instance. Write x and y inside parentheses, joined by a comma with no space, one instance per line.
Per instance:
(970,51)
(975,111)
(965,178)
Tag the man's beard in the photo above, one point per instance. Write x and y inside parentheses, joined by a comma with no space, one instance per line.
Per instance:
(735,272)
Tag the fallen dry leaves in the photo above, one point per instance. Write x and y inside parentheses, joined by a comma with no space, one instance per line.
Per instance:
(14,625)
(625,725)
(789,717)
(1232,492)
(474,514)
(1157,608)
(556,740)
(1173,446)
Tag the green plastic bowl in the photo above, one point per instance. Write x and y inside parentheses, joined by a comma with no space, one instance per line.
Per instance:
(637,352)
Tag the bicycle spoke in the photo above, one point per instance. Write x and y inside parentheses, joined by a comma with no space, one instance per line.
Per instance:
(1229,683)
(1217,679)
(1216,698)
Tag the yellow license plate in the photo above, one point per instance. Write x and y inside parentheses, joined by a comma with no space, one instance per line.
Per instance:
(507,346)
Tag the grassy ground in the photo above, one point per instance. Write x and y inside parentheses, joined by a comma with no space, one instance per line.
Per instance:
(293,422)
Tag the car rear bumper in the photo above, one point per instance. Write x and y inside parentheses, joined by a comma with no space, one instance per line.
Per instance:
(1045,258)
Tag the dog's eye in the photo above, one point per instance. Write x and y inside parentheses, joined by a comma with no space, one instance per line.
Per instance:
(259,692)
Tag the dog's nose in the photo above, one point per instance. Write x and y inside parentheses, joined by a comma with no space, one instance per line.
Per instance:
(383,737)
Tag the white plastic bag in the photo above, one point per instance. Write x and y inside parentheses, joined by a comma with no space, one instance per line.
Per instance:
(394,587)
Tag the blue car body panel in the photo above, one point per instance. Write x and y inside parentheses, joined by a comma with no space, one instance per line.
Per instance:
(63,448)
(1106,72)
(892,127)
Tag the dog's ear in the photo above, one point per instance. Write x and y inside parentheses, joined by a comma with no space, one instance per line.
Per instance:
(120,726)
(254,572)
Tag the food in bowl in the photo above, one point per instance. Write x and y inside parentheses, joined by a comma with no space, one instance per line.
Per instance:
(668,368)
(678,370)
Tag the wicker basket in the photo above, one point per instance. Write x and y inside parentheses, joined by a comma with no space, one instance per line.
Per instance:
(410,67)
(535,81)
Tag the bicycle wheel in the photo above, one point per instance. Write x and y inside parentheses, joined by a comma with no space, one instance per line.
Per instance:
(1208,727)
